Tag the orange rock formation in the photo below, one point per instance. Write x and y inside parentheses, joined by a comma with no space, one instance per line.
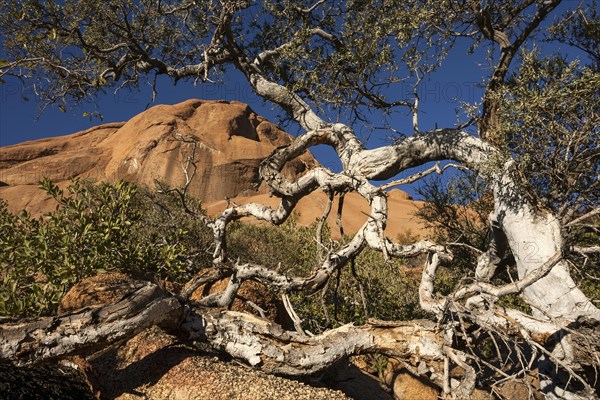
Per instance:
(230,142)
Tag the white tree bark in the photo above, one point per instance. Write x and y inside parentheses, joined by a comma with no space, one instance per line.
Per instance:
(543,281)
(532,235)
(50,338)
(259,342)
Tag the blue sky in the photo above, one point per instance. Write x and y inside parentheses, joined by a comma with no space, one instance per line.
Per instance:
(19,110)
(459,78)
(20,119)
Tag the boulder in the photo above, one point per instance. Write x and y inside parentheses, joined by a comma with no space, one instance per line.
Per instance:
(227,139)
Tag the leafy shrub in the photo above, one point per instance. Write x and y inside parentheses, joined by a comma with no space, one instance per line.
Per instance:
(372,288)
(94,229)
(122,227)
(291,247)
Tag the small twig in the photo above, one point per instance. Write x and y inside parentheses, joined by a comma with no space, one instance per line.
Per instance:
(202,278)
(335,295)
(257,308)
(572,373)
(319,233)
(290,310)
(468,382)
(360,288)
(468,246)
(446,382)
(489,365)
(514,287)
(415,177)
(415,106)
(584,251)
(323,303)
(583,217)
(311,8)
(426,298)
(338,219)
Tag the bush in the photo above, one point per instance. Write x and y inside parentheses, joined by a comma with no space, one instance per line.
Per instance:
(94,229)
(125,228)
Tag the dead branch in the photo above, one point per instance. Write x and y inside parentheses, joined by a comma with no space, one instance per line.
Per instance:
(49,338)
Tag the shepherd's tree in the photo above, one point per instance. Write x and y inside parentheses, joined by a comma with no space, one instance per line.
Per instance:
(335,68)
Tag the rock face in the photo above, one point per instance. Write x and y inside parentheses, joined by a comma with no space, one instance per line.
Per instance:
(227,140)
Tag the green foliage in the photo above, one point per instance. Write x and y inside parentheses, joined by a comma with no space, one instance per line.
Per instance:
(78,40)
(586,269)
(94,229)
(457,210)
(551,114)
(515,302)
(353,55)
(120,227)
(164,221)
(580,29)
(371,288)
(291,247)
(590,285)
(391,288)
